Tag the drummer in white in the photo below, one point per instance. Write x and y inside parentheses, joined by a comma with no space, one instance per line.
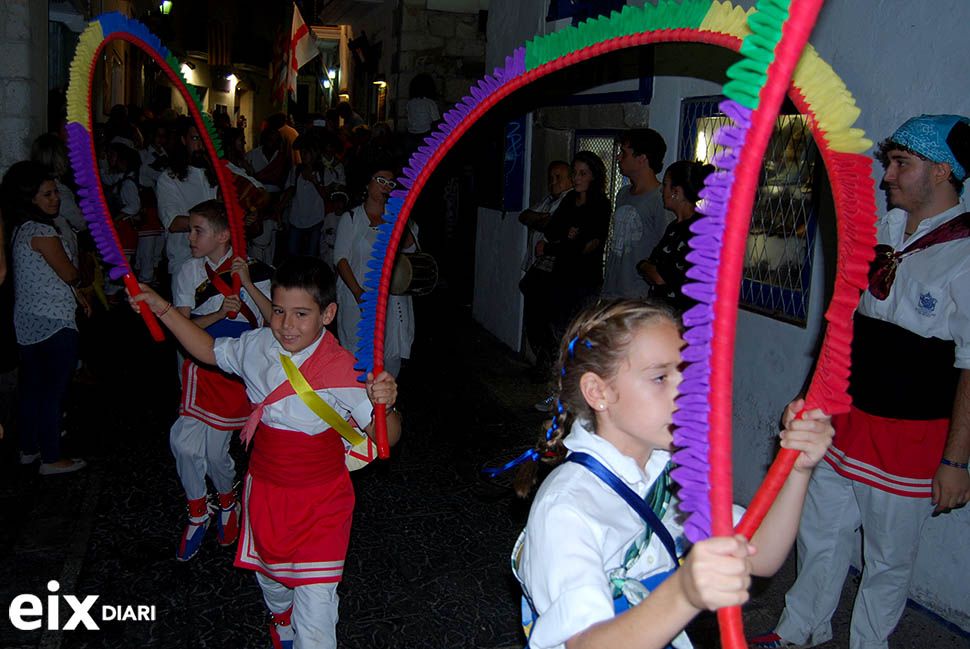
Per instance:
(356,233)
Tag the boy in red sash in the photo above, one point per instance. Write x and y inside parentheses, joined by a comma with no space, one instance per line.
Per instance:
(213,403)
(298,496)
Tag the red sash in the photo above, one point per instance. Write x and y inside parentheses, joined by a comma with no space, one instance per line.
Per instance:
(896,455)
(292,459)
(126,234)
(212,396)
(298,508)
(226,290)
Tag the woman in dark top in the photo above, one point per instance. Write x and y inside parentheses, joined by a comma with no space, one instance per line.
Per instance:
(666,268)
(575,236)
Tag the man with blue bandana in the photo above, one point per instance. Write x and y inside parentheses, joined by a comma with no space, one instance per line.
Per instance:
(900,455)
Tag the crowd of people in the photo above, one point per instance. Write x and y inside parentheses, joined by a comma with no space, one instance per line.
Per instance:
(580,248)
(603,294)
(166,205)
(898,457)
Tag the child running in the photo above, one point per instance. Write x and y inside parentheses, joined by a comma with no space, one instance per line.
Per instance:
(299,499)
(213,403)
(586,560)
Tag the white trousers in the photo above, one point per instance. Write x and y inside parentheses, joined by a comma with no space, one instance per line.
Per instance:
(835,507)
(314,617)
(148,255)
(200,449)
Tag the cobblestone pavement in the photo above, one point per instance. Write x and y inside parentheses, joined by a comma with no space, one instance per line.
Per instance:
(428,559)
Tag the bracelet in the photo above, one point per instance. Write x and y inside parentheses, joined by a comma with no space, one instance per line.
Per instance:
(164,311)
(955,465)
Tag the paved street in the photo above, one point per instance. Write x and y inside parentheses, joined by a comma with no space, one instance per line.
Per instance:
(428,560)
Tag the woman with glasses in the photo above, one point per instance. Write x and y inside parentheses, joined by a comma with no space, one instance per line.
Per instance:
(356,233)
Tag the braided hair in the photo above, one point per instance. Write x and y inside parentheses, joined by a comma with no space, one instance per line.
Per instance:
(596,341)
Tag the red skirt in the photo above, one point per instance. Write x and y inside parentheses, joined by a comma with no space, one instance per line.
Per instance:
(900,456)
(212,396)
(297,507)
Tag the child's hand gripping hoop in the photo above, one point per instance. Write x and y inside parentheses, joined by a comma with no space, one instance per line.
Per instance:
(80,140)
(771,37)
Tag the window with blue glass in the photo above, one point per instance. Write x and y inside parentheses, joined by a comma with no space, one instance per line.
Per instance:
(781,240)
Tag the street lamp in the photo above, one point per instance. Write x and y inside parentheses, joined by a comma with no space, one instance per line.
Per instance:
(165,7)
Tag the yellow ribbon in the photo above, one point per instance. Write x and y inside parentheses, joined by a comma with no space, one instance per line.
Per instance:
(314,402)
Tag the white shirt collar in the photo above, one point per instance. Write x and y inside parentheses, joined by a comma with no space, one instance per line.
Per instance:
(582,440)
(897,223)
(304,353)
(221,260)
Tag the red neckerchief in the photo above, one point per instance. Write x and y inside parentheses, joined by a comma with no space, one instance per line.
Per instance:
(322,356)
(882,271)
(226,290)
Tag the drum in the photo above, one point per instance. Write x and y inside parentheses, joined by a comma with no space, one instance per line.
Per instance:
(415,273)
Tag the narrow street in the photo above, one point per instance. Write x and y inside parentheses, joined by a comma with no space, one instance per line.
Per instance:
(428,562)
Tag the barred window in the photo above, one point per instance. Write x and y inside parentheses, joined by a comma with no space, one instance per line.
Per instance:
(781,240)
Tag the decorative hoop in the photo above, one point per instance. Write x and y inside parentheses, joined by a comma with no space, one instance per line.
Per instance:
(772,38)
(80,140)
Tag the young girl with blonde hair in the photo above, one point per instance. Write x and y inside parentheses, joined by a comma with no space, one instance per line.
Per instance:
(595,571)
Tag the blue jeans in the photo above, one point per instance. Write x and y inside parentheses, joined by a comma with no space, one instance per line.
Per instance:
(44,374)
(304,241)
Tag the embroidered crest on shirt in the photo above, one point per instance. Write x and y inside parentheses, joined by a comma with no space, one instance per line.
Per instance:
(927,305)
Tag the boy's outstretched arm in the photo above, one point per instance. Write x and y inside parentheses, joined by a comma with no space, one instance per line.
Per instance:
(383,390)
(812,435)
(197,342)
(716,573)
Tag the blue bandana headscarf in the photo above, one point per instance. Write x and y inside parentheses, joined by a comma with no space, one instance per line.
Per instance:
(935,137)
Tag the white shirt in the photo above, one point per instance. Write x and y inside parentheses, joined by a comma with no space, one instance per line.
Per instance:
(43,303)
(69,208)
(931,293)
(259,161)
(547,204)
(422,113)
(130,198)
(148,175)
(255,357)
(579,529)
(192,275)
(307,207)
(175,198)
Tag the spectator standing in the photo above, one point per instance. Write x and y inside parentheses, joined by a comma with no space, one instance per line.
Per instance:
(575,236)
(536,284)
(44,312)
(422,109)
(307,190)
(665,271)
(639,218)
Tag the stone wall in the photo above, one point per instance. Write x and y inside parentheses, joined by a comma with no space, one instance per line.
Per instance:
(23,77)
(448,46)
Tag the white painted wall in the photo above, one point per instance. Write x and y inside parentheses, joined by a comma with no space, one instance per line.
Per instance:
(899,58)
